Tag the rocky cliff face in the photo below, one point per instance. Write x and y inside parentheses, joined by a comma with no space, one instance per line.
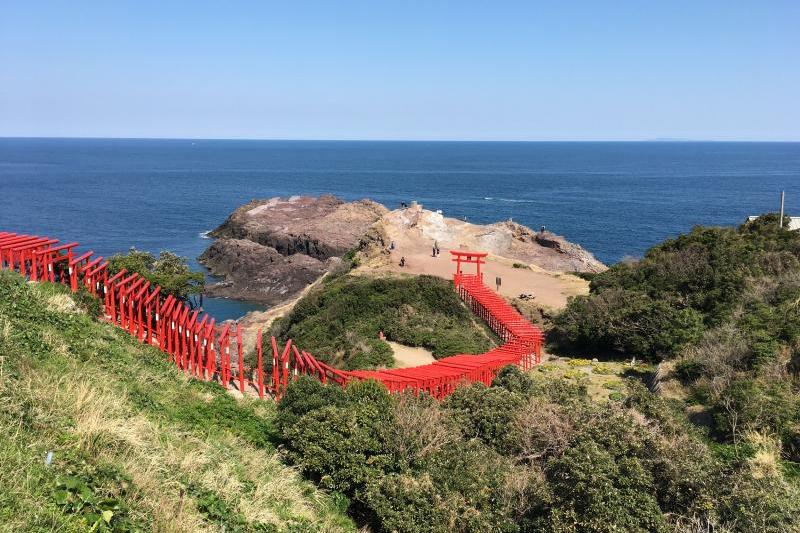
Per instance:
(269,250)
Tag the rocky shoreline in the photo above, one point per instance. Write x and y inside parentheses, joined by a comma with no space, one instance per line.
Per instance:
(268,251)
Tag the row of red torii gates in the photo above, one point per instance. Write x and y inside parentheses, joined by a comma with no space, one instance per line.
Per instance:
(206,350)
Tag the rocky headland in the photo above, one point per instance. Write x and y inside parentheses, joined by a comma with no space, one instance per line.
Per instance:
(269,251)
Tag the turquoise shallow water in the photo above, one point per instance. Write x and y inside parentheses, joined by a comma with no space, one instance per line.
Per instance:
(614,198)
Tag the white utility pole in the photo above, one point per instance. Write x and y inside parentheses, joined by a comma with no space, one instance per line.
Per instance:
(780,222)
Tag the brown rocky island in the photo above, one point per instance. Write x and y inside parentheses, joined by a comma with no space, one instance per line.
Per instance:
(267,251)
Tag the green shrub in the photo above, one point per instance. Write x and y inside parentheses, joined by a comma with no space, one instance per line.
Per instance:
(656,305)
(410,504)
(560,391)
(344,444)
(513,379)
(594,492)
(304,395)
(757,405)
(475,477)
(90,304)
(342,448)
(689,370)
(628,322)
(339,322)
(486,413)
(97,496)
(759,501)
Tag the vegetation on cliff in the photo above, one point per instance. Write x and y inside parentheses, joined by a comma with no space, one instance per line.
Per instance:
(722,307)
(168,270)
(135,445)
(340,321)
(530,453)
(138,446)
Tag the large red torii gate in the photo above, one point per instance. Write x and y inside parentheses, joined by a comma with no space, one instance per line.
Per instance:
(464,257)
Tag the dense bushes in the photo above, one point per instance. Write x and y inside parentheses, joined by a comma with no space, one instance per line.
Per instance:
(654,307)
(535,454)
(724,304)
(526,454)
(340,321)
(629,322)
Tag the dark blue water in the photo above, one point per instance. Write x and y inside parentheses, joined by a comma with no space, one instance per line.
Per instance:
(614,198)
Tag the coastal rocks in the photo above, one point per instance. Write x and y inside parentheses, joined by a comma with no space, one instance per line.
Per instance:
(320,227)
(258,273)
(267,251)
(418,227)
(549,251)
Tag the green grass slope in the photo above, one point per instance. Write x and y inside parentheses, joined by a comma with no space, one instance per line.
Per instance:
(339,321)
(135,445)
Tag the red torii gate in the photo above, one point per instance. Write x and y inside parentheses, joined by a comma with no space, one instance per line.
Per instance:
(470,258)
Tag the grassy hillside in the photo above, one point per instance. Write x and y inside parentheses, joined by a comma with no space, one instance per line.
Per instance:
(339,322)
(135,445)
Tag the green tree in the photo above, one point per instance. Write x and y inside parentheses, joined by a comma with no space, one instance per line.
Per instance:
(168,270)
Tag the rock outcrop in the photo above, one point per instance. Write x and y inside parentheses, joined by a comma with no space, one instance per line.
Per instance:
(267,251)
(322,227)
(548,250)
(508,239)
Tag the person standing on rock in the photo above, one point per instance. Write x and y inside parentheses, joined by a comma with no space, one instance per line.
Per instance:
(403,261)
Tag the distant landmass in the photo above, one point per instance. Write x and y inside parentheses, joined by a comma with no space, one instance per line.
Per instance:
(677,140)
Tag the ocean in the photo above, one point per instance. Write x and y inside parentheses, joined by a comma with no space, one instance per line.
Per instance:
(614,198)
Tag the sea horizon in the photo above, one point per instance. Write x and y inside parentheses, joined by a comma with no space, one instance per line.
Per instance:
(614,198)
(397,140)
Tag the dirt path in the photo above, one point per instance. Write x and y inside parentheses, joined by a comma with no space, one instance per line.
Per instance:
(407,356)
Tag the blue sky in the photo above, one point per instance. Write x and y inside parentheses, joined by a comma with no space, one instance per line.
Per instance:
(557,70)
